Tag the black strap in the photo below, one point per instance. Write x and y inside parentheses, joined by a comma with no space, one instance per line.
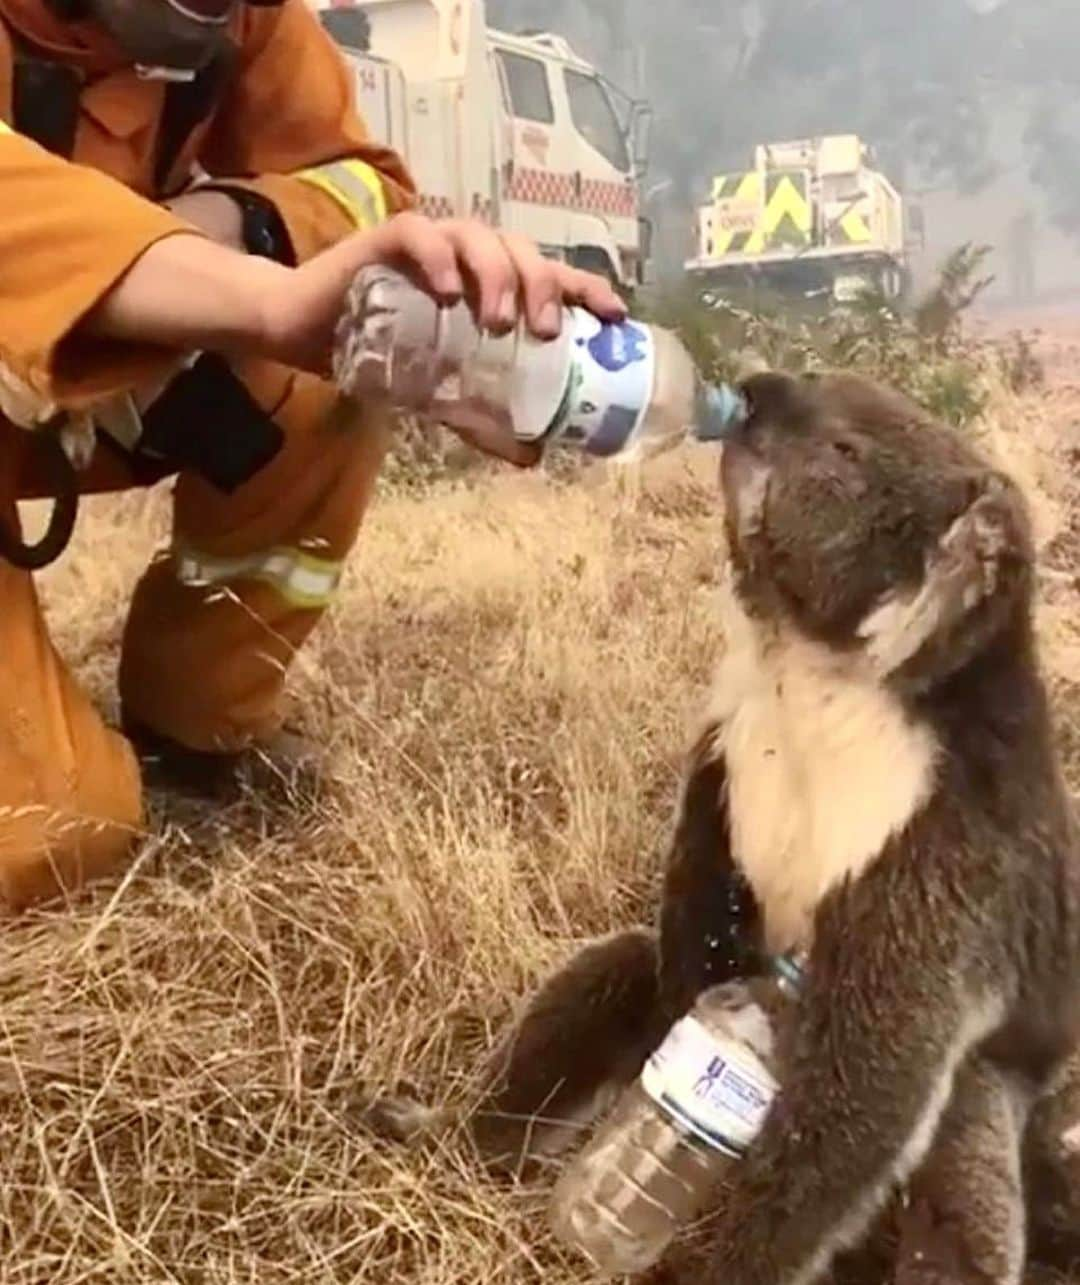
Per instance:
(206,422)
(45,109)
(60,474)
(264,230)
(45,102)
(187,104)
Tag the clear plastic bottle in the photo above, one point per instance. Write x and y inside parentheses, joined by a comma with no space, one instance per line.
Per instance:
(698,1104)
(627,390)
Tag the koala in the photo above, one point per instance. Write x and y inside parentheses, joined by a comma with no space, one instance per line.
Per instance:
(874,781)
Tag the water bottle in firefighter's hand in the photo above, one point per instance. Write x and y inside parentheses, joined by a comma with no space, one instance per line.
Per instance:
(696,1108)
(624,389)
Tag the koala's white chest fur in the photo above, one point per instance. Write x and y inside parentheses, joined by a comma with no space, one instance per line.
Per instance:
(823,766)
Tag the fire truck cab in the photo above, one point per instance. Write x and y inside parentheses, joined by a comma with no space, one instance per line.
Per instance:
(515,129)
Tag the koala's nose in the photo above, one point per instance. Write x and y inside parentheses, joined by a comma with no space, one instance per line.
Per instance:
(719,412)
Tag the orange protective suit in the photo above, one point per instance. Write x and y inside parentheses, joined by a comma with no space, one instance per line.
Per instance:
(201,666)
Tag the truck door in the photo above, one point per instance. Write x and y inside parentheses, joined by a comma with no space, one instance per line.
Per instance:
(381,100)
(536,198)
(379,85)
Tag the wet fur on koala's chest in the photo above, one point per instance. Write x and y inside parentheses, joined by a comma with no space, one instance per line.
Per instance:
(823,767)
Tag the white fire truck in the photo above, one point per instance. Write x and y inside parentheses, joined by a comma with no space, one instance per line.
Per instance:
(514,129)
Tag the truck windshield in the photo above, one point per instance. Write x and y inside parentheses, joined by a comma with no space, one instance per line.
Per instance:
(595,119)
(349,27)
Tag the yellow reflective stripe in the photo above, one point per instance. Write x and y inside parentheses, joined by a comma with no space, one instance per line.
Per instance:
(354,186)
(303,580)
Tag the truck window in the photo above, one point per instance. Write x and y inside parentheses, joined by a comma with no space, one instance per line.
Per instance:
(350,27)
(530,96)
(595,119)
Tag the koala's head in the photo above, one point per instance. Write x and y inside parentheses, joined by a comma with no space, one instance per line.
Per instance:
(857,519)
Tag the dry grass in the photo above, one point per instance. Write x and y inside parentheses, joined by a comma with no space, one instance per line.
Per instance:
(504,689)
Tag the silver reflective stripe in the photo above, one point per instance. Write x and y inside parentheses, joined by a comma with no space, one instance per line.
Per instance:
(301,579)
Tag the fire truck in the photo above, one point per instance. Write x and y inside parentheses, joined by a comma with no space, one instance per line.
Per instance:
(517,130)
(814,217)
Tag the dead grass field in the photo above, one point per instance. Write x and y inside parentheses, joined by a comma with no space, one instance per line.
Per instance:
(505,690)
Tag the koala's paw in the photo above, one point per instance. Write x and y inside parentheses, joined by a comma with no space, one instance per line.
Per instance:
(401,1117)
(668,1271)
(687,1261)
(930,1252)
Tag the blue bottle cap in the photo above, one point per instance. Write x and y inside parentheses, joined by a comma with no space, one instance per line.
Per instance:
(788,969)
(720,411)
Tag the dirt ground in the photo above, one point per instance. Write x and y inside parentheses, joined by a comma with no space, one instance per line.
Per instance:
(504,691)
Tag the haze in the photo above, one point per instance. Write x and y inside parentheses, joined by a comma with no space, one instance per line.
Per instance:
(971,105)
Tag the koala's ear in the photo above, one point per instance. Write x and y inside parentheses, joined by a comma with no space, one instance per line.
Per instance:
(971,584)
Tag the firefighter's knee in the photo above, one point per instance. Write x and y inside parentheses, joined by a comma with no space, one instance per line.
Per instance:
(70,794)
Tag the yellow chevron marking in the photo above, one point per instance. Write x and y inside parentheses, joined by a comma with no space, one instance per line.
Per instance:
(737,212)
(854,227)
(786,202)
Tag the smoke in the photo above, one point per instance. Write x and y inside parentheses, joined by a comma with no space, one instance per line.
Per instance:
(934,85)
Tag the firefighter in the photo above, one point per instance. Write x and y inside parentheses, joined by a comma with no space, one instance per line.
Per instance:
(177,329)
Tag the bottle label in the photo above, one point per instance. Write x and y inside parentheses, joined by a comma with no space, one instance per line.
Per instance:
(714,1086)
(611,382)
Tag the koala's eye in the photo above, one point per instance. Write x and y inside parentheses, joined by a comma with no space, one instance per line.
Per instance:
(846,451)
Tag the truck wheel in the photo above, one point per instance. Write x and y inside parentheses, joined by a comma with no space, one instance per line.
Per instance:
(892,284)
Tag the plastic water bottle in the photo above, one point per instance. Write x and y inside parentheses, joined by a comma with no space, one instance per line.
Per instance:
(690,1117)
(627,389)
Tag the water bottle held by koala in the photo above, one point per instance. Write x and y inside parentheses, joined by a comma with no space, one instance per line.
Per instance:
(689,1118)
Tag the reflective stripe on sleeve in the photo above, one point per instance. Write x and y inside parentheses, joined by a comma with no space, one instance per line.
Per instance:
(303,580)
(354,186)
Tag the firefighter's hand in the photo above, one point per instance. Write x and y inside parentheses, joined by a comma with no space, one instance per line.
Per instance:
(504,278)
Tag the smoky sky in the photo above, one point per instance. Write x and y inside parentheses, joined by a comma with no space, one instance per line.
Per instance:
(935,85)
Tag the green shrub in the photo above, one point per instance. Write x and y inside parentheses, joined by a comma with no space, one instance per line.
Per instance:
(925,351)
